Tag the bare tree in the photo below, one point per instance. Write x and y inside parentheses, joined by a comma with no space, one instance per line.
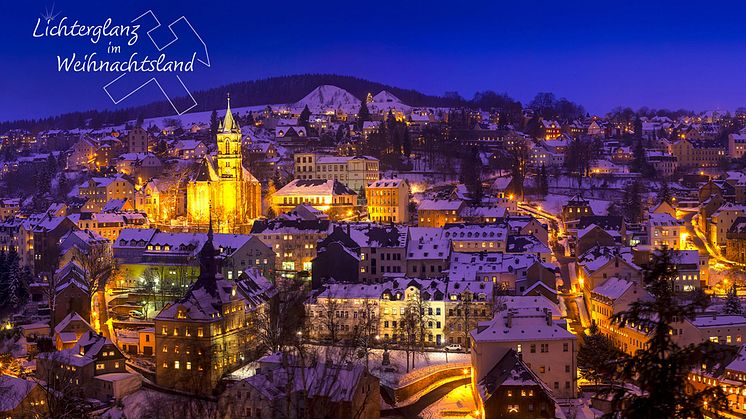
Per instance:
(62,388)
(276,325)
(366,328)
(99,267)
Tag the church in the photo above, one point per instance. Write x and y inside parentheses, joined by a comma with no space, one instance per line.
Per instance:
(223,186)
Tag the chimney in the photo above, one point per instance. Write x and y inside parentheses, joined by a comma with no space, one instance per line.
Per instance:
(348,228)
(509,320)
(548,316)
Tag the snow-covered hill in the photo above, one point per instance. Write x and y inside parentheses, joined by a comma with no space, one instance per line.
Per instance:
(329,98)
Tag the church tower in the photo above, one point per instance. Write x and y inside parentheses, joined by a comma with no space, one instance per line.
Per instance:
(229,147)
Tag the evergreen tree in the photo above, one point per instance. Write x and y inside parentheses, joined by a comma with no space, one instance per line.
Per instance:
(665,192)
(732,302)
(304,116)
(250,118)
(595,357)
(362,115)
(543,181)
(638,127)
(632,202)
(471,175)
(362,200)
(63,185)
(660,369)
(214,125)
(407,142)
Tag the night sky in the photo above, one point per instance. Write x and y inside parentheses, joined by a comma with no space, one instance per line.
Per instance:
(601,54)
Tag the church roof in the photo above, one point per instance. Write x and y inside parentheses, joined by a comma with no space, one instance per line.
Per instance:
(229,124)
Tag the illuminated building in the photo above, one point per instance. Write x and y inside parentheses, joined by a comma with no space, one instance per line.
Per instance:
(388,201)
(206,333)
(355,172)
(698,153)
(100,190)
(223,186)
(138,140)
(328,196)
(545,345)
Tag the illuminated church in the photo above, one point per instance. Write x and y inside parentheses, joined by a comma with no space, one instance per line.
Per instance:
(224,186)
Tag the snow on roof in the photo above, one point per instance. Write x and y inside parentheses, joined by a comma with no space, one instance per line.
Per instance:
(427,243)
(440,205)
(530,303)
(378,235)
(664,220)
(468,266)
(517,325)
(717,320)
(387,183)
(72,317)
(739,363)
(305,187)
(462,231)
(525,243)
(15,390)
(613,288)
(598,256)
(361,291)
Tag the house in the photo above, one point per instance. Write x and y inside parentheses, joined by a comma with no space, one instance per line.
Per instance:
(138,140)
(355,172)
(189,149)
(71,293)
(544,344)
(207,332)
(664,230)
(141,166)
(438,213)
(93,368)
(593,235)
(329,390)
(575,208)
(292,239)
(735,242)
(100,190)
(22,398)
(388,201)
(511,390)
(697,153)
(69,330)
(329,196)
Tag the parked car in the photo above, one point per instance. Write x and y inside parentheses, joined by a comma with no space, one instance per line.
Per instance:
(454,347)
(137,314)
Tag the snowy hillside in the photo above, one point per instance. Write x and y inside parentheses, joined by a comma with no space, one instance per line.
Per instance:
(329,98)
(385,101)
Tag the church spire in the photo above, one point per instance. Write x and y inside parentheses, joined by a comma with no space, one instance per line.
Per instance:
(229,124)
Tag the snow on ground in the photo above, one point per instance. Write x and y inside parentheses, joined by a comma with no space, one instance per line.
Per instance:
(393,375)
(460,399)
(396,375)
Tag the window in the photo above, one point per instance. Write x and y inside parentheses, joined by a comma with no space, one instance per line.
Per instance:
(188,365)
(176,365)
(565,347)
(100,366)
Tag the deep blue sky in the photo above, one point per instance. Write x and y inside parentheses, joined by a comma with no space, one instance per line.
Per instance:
(667,54)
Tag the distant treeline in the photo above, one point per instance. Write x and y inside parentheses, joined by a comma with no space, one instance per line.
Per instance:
(290,89)
(274,90)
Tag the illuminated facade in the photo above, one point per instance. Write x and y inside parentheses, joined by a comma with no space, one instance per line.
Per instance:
(224,186)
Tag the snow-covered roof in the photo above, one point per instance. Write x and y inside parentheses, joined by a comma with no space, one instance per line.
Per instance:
(517,325)
(440,205)
(15,390)
(613,288)
(316,187)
